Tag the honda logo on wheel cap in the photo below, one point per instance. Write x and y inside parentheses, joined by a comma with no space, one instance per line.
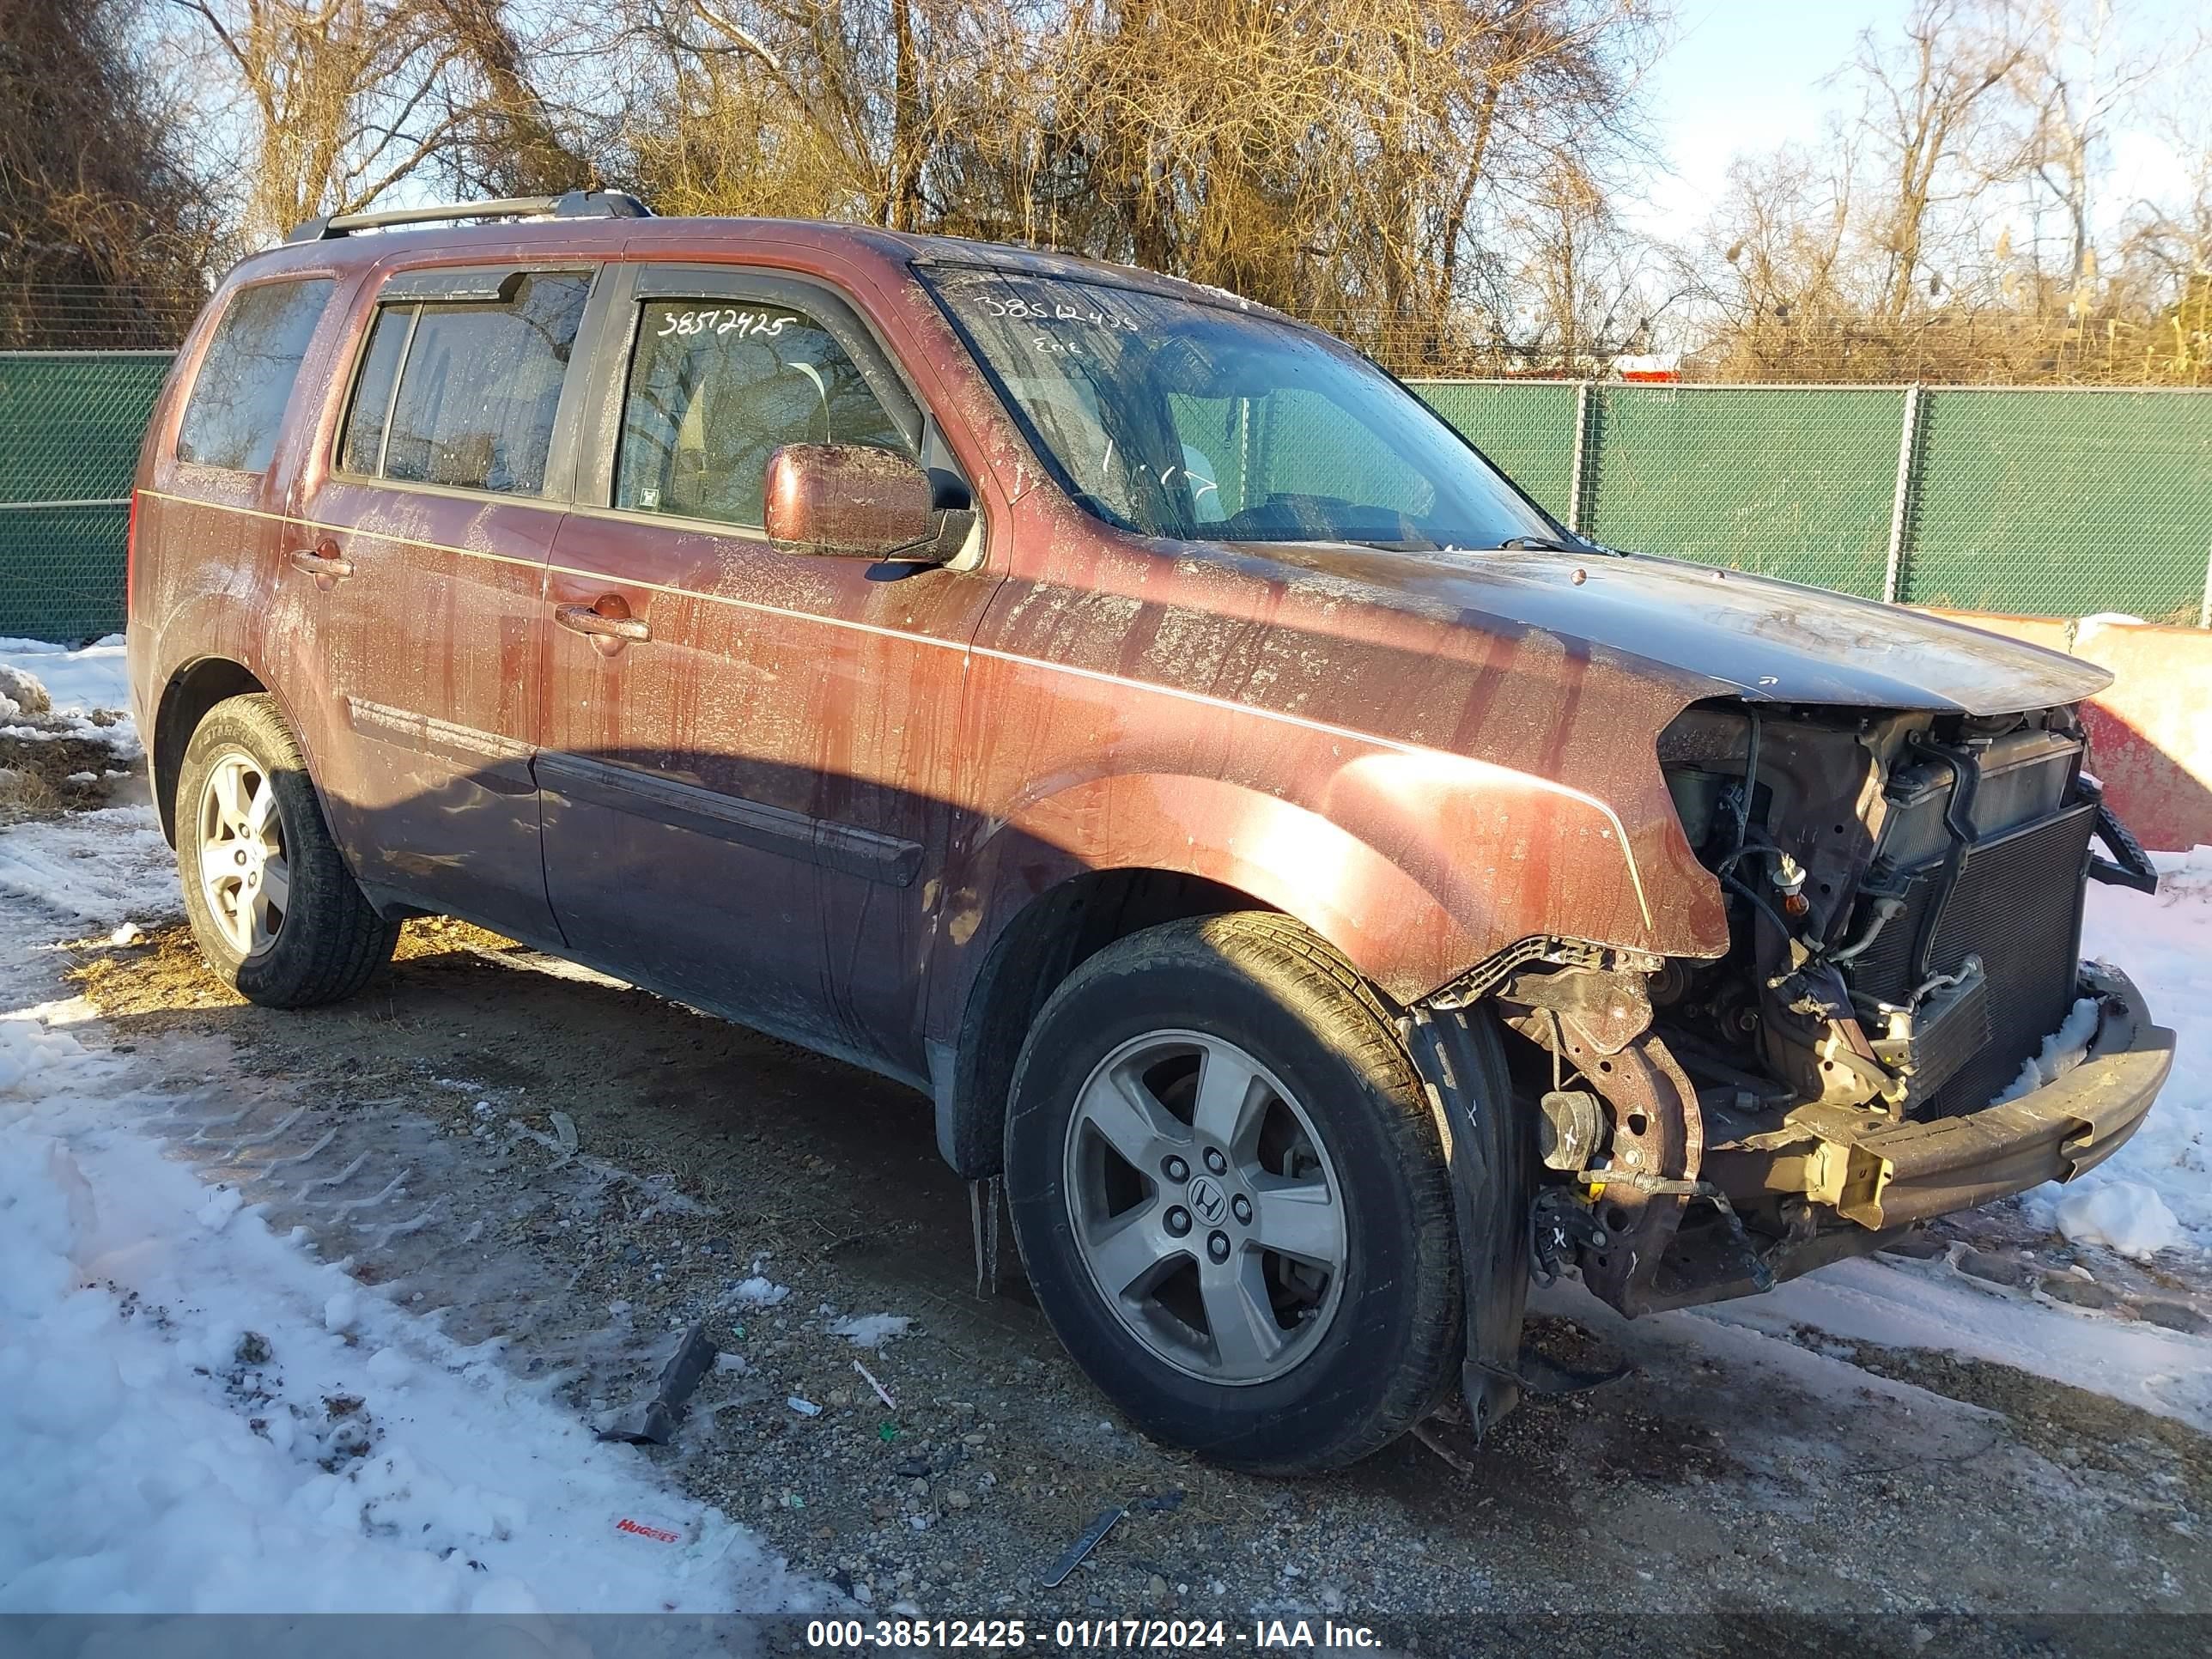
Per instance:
(1210,1202)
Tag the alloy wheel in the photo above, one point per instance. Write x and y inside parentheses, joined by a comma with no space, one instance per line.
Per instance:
(1205,1207)
(244,876)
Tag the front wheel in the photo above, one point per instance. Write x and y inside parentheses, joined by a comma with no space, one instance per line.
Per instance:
(275,910)
(1228,1193)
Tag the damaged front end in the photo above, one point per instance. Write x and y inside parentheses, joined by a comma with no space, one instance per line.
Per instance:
(1905,894)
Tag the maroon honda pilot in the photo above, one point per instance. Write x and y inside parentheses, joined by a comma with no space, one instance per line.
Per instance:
(1326,892)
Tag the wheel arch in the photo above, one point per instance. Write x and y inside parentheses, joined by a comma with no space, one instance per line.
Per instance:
(1072,870)
(190,692)
(1028,959)
(191,688)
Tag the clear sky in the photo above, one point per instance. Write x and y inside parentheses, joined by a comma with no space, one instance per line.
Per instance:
(1745,76)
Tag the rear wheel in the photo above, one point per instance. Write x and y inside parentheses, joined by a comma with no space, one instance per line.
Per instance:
(1228,1191)
(274,908)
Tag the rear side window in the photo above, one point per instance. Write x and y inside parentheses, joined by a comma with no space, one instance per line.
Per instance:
(717,389)
(237,405)
(465,395)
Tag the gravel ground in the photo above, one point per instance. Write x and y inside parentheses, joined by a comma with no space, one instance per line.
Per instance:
(578,1170)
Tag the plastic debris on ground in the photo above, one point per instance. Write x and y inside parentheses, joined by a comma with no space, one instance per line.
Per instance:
(652,1421)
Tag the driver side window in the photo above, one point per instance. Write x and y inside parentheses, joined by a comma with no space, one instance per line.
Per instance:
(1238,452)
(716,388)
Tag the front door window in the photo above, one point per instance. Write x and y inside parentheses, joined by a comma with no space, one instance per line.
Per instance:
(716,389)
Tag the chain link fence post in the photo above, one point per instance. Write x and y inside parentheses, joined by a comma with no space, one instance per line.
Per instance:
(1900,509)
(1583,458)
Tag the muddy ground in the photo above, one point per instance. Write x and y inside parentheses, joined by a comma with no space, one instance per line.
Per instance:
(44,768)
(1731,1476)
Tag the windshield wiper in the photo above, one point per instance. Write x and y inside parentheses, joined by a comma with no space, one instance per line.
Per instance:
(1535,544)
(1403,545)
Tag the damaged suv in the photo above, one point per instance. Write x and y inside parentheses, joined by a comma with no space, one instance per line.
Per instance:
(1325,891)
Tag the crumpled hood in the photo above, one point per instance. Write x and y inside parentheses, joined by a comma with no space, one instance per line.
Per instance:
(1745,636)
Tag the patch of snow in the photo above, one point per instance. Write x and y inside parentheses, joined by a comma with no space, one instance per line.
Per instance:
(2087,628)
(22,693)
(78,682)
(2121,1215)
(1928,1305)
(185,1431)
(2062,1051)
(63,689)
(872,1330)
(33,1057)
(106,868)
(216,1209)
(2163,941)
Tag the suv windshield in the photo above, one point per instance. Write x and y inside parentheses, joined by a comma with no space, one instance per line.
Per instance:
(1174,418)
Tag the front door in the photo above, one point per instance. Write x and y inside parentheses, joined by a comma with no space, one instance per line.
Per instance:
(748,752)
(429,535)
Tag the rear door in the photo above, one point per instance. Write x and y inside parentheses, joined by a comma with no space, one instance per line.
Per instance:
(749,753)
(420,553)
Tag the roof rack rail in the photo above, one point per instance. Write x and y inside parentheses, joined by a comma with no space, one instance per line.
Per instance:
(575,204)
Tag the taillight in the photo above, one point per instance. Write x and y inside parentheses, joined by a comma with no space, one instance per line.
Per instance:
(130,552)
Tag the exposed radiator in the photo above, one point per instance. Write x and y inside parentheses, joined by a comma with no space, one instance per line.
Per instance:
(2018,907)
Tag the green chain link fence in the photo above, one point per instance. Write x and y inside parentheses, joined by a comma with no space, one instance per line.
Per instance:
(2056,503)
(2051,503)
(69,426)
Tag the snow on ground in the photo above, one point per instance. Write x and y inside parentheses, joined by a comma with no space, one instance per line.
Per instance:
(94,677)
(2121,1215)
(2163,941)
(195,1416)
(1927,1305)
(872,1330)
(111,866)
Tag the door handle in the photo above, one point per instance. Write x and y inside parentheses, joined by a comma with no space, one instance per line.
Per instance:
(608,633)
(324,562)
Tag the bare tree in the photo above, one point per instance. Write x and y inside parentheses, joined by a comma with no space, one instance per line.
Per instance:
(105,234)
(507,137)
(2076,78)
(1928,107)
(1364,161)
(1591,291)
(342,99)
(1913,243)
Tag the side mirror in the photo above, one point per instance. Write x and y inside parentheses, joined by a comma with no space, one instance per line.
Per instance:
(856,501)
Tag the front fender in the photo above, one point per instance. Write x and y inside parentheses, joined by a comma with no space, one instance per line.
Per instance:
(1415,864)
(1286,856)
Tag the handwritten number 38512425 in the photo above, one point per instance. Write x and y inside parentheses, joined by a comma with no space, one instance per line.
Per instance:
(719,320)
